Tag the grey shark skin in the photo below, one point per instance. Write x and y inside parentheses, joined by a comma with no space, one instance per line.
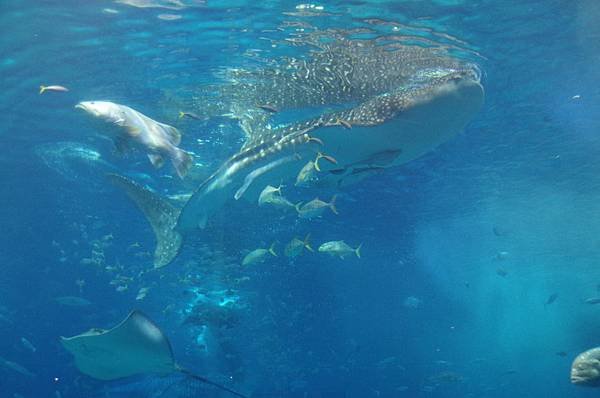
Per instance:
(387,129)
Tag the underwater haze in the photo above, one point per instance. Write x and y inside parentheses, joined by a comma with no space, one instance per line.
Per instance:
(165,157)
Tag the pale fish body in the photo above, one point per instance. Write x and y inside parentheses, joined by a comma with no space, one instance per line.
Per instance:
(27,344)
(158,139)
(53,88)
(339,248)
(272,196)
(258,255)
(585,370)
(315,208)
(307,174)
(296,246)
(267,193)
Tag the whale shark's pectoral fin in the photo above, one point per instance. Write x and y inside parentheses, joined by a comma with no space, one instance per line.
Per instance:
(161,215)
(260,171)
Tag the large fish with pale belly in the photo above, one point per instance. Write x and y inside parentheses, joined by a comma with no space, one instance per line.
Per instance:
(401,105)
(158,139)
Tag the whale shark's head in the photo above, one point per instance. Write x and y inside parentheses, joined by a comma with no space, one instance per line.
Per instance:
(105,110)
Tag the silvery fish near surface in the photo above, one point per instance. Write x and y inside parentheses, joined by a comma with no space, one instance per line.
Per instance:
(158,139)
(585,370)
(57,88)
(339,248)
(400,103)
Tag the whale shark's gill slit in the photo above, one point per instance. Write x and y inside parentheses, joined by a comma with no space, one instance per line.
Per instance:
(161,215)
(260,171)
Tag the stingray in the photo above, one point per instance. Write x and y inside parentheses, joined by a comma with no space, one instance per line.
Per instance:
(135,346)
(393,106)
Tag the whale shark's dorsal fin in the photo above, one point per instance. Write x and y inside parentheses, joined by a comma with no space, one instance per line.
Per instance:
(161,215)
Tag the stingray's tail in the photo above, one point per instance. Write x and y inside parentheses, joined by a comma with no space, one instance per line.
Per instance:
(161,215)
(212,383)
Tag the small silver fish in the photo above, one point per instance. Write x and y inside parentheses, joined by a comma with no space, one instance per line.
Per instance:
(57,88)
(268,108)
(296,246)
(191,115)
(315,208)
(308,173)
(272,196)
(259,255)
(339,248)
(142,293)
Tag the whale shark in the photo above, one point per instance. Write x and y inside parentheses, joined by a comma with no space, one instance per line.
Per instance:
(386,107)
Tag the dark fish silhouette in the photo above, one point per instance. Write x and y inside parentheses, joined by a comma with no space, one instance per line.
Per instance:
(552,298)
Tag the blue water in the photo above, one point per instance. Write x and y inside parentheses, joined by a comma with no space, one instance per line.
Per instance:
(516,193)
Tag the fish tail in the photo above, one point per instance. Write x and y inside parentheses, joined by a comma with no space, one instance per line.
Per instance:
(182,161)
(42,89)
(210,382)
(181,114)
(332,205)
(272,249)
(357,251)
(297,206)
(316,162)
(307,243)
(161,215)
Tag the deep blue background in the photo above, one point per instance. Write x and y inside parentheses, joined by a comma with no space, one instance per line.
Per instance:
(522,178)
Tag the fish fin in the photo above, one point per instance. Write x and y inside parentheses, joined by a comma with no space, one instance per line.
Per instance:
(181,115)
(272,249)
(357,251)
(161,215)
(182,161)
(156,160)
(346,124)
(316,162)
(332,205)
(297,206)
(173,134)
(42,89)
(307,244)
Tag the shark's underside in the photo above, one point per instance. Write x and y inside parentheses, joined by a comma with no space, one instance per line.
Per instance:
(400,105)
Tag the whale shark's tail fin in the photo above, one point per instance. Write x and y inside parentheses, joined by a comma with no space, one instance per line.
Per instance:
(161,215)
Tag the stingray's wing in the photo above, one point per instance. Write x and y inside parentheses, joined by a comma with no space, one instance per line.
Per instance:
(135,346)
